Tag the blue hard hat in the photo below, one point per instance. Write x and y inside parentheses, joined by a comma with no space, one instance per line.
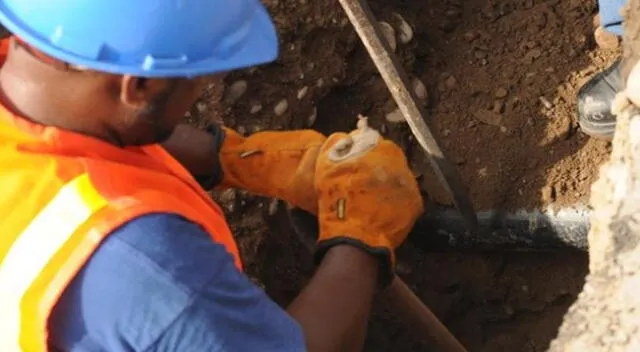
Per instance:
(147,38)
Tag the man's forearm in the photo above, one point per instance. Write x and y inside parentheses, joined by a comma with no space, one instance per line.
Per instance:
(194,149)
(333,309)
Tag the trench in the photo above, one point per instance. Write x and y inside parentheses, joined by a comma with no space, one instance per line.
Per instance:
(501,77)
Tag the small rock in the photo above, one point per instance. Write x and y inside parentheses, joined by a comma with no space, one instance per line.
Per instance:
(281,107)
(581,41)
(228,199)
(480,54)
(202,107)
(405,32)
(302,92)
(320,82)
(450,82)
(483,172)
(470,36)
(452,13)
(501,93)
(235,91)
(605,39)
(241,130)
(256,108)
(311,120)
(548,194)
(389,34)
(273,207)
(448,25)
(488,117)
(503,129)
(532,55)
(395,116)
(498,106)
(419,89)
(547,104)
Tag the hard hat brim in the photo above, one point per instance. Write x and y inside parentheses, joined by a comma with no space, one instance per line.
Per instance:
(260,47)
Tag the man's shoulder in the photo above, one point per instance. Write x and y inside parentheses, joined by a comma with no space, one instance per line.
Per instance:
(140,279)
(174,247)
(160,283)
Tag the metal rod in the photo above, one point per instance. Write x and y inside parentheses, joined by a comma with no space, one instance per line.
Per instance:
(394,76)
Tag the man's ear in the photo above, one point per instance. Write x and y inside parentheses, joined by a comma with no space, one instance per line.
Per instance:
(138,91)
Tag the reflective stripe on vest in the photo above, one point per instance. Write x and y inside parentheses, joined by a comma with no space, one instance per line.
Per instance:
(31,253)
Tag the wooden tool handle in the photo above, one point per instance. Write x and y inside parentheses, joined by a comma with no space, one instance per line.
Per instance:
(419,317)
(398,295)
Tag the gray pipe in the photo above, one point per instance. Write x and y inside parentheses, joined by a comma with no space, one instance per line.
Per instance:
(442,228)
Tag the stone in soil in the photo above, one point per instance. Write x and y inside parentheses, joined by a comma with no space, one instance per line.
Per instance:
(605,39)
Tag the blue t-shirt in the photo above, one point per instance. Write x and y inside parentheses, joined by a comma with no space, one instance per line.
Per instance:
(610,16)
(159,283)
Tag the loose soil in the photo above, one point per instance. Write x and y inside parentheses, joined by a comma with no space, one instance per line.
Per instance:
(502,76)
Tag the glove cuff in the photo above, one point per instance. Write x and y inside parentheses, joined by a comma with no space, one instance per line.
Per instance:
(385,256)
(210,181)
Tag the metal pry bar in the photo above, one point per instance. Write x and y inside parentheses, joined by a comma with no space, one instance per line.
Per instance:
(394,76)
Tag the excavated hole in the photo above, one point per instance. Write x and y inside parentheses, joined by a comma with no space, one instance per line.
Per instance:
(492,69)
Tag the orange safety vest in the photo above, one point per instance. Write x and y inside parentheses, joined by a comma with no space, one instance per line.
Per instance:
(61,194)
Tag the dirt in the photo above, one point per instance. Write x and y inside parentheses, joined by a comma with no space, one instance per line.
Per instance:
(490,301)
(501,76)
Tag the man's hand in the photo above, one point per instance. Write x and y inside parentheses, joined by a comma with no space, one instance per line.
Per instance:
(275,164)
(368,202)
(368,196)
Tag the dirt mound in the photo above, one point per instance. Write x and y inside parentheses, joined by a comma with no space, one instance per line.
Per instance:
(501,76)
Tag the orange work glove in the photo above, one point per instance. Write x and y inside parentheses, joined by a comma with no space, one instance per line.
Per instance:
(368,196)
(273,164)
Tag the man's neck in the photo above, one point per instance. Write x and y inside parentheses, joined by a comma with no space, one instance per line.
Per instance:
(47,97)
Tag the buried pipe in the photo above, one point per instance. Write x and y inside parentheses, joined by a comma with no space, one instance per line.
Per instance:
(442,228)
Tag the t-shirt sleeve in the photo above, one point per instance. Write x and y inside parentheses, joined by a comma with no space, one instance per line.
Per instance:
(159,283)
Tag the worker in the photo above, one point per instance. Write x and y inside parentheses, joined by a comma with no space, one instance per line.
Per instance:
(108,241)
(596,96)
